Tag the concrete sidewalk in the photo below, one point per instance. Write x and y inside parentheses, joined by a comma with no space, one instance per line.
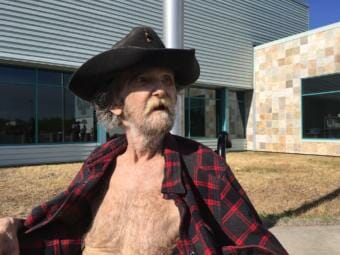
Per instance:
(309,240)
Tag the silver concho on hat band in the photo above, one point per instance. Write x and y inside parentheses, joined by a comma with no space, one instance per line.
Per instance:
(148,37)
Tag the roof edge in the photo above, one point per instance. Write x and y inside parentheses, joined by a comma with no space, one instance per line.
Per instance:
(296,36)
(302,2)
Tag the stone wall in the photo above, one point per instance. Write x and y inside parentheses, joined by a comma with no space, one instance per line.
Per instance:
(279,67)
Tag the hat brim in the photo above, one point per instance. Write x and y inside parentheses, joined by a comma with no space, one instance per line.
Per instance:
(97,73)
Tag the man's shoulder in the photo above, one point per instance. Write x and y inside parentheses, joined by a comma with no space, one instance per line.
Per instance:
(198,156)
(107,149)
(187,144)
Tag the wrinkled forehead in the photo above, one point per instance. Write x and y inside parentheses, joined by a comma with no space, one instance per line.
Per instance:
(123,81)
(127,78)
(133,72)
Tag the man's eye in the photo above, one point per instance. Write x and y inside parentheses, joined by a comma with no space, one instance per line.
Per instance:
(141,79)
(167,79)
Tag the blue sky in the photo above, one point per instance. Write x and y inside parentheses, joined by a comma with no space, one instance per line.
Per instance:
(323,12)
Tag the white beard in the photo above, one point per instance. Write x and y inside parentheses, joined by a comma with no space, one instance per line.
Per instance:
(152,123)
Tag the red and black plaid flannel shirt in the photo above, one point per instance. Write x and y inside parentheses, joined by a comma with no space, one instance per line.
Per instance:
(216,214)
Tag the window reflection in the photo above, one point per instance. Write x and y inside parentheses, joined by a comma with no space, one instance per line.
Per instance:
(321,122)
(79,115)
(47,77)
(236,101)
(17,114)
(66,79)
(202,115)
(50,114)
(37,107)
(16,75)
(321,107)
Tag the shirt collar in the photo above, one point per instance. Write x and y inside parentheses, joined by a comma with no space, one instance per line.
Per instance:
(172,182)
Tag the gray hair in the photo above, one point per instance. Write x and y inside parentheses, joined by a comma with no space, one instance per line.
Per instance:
(103,102)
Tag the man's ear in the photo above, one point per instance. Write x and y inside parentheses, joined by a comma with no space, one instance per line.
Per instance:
(117,110)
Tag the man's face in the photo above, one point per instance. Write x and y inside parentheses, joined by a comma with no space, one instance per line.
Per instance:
(149,101)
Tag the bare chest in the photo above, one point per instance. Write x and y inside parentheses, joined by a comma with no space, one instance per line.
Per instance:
(133,220)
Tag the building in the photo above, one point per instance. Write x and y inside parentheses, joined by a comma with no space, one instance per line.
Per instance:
(42,43)
(296,99)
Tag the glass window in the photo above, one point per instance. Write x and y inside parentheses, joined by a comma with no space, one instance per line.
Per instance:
(320,84)
(202,115)
(17,114)
(70,131)
(49,114)
(321,107)
(66,79)
(195,109)
(236,101)
(47,77)
(79,120)
(37,107)
(16,75)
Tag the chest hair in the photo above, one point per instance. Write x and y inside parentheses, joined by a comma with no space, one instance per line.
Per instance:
(133,217)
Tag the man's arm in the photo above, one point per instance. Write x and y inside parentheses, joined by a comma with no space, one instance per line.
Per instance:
(240,221)
(9,228)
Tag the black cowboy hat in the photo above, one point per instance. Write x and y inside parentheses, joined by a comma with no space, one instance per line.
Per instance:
(140,48)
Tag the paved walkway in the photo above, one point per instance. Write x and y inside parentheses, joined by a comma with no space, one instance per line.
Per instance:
(309,240)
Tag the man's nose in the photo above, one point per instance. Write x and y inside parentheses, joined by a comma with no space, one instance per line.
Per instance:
(159,88)
(159,92)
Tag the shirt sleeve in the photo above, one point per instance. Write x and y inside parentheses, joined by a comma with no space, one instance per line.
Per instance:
(42,233)
(241,223)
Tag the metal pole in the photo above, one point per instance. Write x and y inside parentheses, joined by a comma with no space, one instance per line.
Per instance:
(173,23)
(173,26)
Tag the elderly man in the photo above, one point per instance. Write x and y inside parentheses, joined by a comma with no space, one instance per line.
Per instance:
(147,192)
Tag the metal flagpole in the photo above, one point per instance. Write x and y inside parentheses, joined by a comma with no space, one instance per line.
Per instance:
(173,26)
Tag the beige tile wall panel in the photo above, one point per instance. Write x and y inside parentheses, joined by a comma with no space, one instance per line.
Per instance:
(279,66)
